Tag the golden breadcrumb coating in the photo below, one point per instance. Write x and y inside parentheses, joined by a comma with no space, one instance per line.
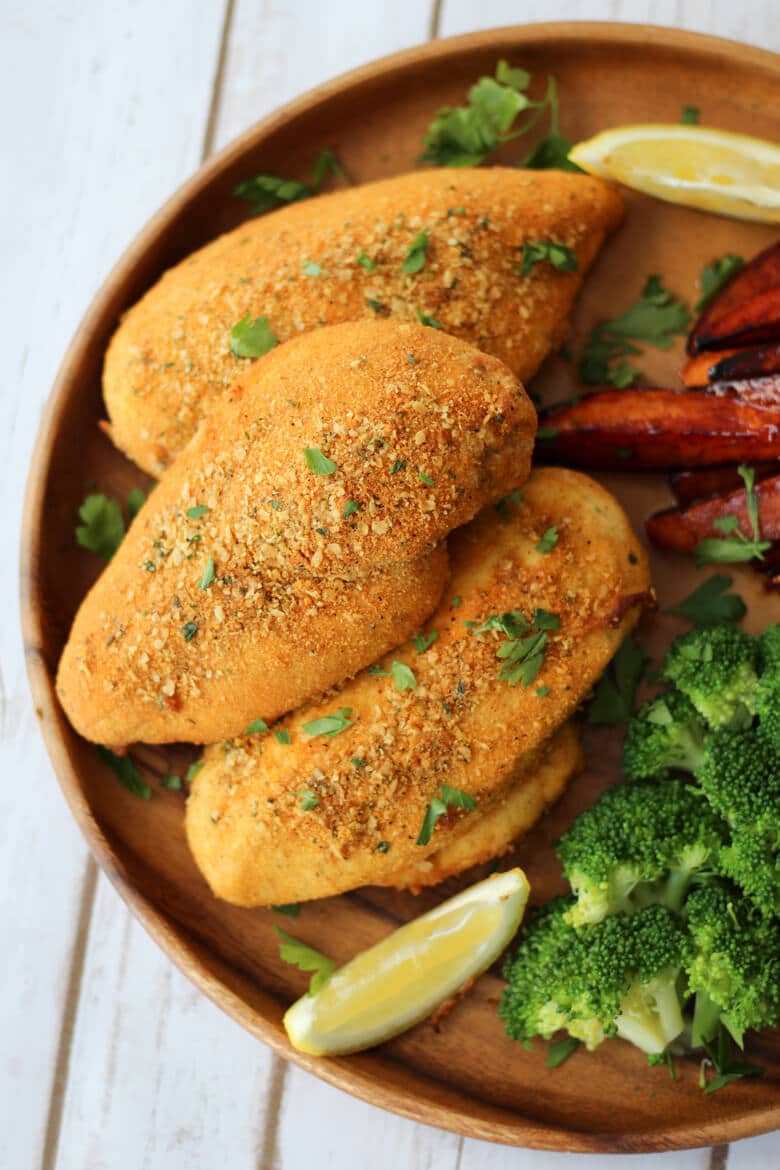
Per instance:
(340,257)
(250,582)
(271,822)
(493,830)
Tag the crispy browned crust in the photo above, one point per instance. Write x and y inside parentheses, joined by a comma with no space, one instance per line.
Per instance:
(259,841)
(170,359)
(303,595)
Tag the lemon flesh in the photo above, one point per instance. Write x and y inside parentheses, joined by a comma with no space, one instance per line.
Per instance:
(403,978)
(712,170)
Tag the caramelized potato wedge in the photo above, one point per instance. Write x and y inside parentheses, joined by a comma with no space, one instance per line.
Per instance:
(760,275)
(689,486)
(681,529)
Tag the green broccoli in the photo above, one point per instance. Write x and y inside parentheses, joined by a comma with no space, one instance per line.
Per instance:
(619,977)
(768,693)
(732,962)
(639,843)
(715,667)
(752,860)
(769,650)
(666,734)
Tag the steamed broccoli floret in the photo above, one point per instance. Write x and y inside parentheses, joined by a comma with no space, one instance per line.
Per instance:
(616,978)
(740,777)
(716,668)
(768,693)
(666,733)
(639,843)
(769,650)
(752,860)
(732,962)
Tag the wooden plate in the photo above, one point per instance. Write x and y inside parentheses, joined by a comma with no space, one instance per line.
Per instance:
(466,1077)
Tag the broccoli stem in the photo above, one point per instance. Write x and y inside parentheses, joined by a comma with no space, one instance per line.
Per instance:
(706,1018)
(650,1013)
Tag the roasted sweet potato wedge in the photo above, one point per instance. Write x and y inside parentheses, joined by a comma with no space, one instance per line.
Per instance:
(635,430)
(700,370)
(757,319)
(681,529)
(758,276)
(688,486)
(747,363)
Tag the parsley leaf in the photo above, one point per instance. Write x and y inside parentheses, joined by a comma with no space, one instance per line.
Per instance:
(548,540)
(208,574)
(251,339)
(424,319)
(559,256)
(654,319)
(265,192)
(421,642)
(403,676)
(613,698)
(726,1063)
(415,257)
(171,782)
(561,1050)
(126,773)
(189,629)
(282,736)
(309,268)
(136,498)
(317,462)
(522,654)
(710,604)
(309,800)
(197,512)
(366,261)
(731,549)
(257,727)
(508,505)
(289,909)
(305,958)
(329,725)
(714,275)
(448,798)
(689,116)
(377,670)
(426,479)
(192,771)
(102,527)
(350,508)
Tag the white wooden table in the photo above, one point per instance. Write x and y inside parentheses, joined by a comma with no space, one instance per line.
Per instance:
(108,1057)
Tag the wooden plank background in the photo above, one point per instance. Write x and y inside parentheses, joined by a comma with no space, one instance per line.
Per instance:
(110,1059)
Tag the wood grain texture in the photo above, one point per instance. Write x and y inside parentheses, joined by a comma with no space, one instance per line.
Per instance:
(129,127)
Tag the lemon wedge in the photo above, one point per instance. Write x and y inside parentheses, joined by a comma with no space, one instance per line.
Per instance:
(712,170)
(403,978)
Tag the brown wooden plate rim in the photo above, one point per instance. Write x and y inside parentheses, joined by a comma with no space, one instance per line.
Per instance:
(498,1125)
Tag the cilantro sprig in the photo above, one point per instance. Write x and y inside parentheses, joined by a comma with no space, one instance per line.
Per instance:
(733,546)
(464,136)
(265,192)
(439,806)
(655,319)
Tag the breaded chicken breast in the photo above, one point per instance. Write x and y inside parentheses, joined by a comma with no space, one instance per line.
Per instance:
(445,246)
(297,537)
(343,799)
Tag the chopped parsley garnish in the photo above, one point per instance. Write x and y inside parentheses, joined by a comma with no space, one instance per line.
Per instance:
(192,771)
(522,654)
(403,676)
(456,601)
(464,136)
(282,736)
(421,642)
(438,807)
(377,306)
(560,1050)
(399,465)
(251,339)
(288,909)
(714,275)
(136,498)
(305,958)
(508,505)
(689,116)
(208,574)
(549,539)
(726,1061)
(309,268)
(189,629)
(174,783)
(424,319)
(613,697)
(102,527)
(265,192)
(350,508)
(366,262)
(317,462)
(383,847)
(358,761)
(734,546)
(415,257)
(542,692)
(377,670)
(329,725)
(197,512)
(710,604)
(655,319)
(426,479)
(308,800)
(126,773)
(257,727)
(560,256)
